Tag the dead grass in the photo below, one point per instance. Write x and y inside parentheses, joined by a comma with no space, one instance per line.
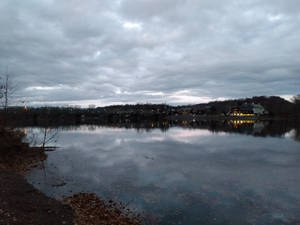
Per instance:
(90,210)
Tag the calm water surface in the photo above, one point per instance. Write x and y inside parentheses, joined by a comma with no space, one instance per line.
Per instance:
(179,176)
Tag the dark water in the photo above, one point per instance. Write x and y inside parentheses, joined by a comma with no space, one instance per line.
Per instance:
(180,175)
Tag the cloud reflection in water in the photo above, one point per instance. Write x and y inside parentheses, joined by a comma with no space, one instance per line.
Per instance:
(207,178)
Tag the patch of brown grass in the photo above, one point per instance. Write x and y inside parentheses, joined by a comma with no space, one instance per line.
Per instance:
(90,210)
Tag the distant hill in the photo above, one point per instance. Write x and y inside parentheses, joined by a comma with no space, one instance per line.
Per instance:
(275,105)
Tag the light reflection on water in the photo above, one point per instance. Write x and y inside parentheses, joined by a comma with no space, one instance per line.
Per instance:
(181,176)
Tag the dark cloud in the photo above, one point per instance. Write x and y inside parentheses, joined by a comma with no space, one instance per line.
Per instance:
(106,52)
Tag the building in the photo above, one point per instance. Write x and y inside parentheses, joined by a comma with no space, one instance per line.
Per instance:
(248,110)
(243,110)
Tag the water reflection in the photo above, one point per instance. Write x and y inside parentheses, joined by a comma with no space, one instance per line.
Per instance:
(273,128)
(183,175)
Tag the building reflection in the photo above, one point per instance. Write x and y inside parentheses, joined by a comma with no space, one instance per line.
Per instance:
(239,123)
(276,128)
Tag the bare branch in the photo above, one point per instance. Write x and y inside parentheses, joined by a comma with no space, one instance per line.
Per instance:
(7,89)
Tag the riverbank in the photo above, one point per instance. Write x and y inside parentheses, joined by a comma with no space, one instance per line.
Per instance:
(21,203)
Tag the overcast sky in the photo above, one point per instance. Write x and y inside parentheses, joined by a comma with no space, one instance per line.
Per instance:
(157,51)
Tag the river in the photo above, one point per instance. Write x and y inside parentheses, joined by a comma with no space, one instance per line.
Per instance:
(180,175)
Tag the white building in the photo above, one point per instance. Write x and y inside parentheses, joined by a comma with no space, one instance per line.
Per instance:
(258,109)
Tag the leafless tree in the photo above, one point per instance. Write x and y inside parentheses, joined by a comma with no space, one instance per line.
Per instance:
(48,136)
(7,89)
(296,101)
(42,137)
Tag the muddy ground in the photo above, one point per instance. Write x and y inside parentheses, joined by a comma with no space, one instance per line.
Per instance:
(22,204)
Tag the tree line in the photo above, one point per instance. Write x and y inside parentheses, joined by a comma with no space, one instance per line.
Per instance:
(277,106)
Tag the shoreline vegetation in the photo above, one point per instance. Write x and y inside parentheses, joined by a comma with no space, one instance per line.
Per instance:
(17,156)
(256,108)
(21,203)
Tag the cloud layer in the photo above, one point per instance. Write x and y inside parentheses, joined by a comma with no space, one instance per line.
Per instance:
(127,51)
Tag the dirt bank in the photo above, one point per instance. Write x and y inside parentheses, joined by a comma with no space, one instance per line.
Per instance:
(21,203)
